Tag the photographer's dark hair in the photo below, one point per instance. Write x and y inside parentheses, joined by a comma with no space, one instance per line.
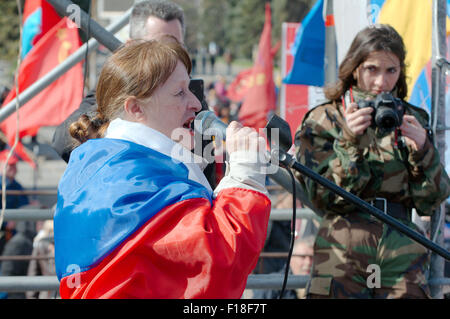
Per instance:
(380,37)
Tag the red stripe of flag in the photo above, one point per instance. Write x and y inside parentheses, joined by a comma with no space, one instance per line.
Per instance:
(53,104)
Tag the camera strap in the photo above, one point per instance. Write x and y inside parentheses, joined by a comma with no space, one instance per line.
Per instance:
(347,98)
(396,137)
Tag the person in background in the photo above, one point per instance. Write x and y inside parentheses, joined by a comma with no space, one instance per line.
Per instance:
(300,265)
(44,265)
(4,91)
(12,201)
(21,244)
(228,58)
(301,260)
(212,51)
(220,88)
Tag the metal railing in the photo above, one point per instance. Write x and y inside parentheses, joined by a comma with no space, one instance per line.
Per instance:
(264,281)
(255,281)
(51,283)
(45,214)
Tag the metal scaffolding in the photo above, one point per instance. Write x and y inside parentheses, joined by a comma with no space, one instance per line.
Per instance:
(51,283)
(256,281)
(439,68)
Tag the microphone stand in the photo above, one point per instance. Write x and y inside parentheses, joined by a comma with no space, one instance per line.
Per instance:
(290,162)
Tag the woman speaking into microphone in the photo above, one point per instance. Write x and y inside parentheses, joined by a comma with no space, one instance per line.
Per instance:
(132,219)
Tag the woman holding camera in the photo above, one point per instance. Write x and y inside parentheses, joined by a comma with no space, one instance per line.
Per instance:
(396,169)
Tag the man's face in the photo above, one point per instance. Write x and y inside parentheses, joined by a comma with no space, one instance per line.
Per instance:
(11,170)
(157,28)
(301,265)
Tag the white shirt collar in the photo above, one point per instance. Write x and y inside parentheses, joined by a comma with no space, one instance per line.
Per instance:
(143,135)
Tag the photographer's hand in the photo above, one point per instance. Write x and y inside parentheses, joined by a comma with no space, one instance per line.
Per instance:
(415,135)
(358,120)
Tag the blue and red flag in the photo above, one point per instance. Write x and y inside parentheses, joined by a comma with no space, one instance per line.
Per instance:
(129,223)
(47,41)
(38,18)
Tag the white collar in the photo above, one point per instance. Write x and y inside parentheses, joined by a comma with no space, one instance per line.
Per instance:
(143,135)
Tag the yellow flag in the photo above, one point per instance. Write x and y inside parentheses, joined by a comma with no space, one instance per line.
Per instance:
(413,21)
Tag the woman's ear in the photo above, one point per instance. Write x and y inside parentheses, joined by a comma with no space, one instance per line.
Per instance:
(133,109)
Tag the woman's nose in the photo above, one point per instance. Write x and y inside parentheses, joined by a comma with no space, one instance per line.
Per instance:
(381,80)
(195,103)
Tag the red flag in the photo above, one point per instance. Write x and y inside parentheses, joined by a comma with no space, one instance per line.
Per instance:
(260,98)
(52,105)
(238,88)
(46,17)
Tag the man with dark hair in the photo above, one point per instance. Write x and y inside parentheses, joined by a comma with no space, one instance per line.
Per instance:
(149,19)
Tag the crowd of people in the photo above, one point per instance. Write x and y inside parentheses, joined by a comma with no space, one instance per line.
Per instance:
(171,225)
(23,238)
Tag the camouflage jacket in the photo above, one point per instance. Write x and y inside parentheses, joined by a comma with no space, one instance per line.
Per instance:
(369,165)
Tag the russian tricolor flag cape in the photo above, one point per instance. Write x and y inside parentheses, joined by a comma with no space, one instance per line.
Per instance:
(129,223)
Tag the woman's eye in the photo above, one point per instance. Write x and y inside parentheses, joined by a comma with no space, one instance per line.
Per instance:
(180,93)
(392,70)
(371,68)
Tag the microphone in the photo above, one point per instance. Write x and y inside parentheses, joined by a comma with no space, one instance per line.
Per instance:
(207,123)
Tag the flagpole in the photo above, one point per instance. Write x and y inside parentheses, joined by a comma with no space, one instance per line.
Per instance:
(86,23)
(330,44)
(57,72)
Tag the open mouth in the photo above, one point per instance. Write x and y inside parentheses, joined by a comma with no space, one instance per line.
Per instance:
(189,125)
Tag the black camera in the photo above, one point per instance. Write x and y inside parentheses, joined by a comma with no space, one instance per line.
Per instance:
(387,112)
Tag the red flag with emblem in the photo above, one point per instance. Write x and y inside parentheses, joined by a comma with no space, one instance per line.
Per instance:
(53,104)
(260,98)
(238,88)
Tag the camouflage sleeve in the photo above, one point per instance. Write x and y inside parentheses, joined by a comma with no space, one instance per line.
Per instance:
(429,182)
(332,152)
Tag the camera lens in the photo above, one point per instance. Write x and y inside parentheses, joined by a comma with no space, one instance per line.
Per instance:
(386,118)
